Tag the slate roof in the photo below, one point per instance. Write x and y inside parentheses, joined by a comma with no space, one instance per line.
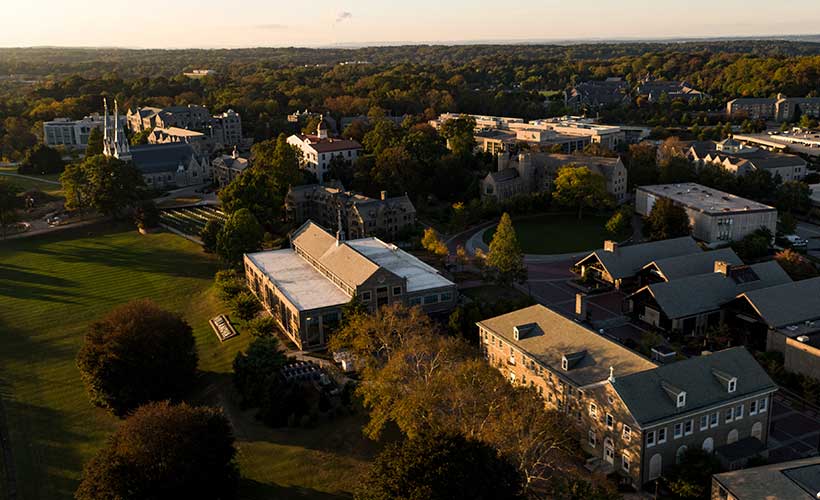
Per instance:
(328,145)
(794,480)
(505,175)
(627,260)
(788,303)
(157,158)
(702,293)
(673,268)
(557,336)
(649,402)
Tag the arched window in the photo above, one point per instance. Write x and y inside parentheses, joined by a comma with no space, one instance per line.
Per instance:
(708,445)
(757,430)
(655,466)
(732,437)
(679,454)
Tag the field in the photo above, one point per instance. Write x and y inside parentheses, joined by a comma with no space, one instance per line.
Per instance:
(558,233)
(44,183)
(52,287)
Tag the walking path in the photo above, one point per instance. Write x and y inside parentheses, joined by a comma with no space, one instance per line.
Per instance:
(31,178)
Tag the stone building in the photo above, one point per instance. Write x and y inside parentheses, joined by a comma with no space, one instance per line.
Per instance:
(305,287)
(361,216)
(597,94)
(228,167)
(655,89)
(780,108)
(222,130)
(716,217)
(634,418)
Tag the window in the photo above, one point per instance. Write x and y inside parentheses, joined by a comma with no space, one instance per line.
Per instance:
(753,407)
(650,439)
(593,410)
(625,462)
(688,427)
(714,418)
(762,406)
(396,290)
(739,412)
(564,364)
(446,297)
(593,439)
(627,433)
(430,299)
(365,296)
(681,400)
(678,430)
(662,435)
(416,301)
(732,385)
(610,422)
(730,415)
(704,422)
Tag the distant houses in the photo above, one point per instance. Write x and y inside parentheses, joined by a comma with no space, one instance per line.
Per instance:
(740,159)
(780,108)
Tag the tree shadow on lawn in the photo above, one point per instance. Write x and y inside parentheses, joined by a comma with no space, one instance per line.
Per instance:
(341,436)
(18,345)
(24,283)
(47,462)
(250,489)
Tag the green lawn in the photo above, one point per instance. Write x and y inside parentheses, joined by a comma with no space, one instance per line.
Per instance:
(27,184)
(52,287)
(558,233)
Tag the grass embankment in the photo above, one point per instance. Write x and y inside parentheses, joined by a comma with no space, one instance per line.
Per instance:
(52,287)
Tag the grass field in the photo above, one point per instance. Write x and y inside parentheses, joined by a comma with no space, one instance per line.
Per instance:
(557,233)
(52,287)
(27,184)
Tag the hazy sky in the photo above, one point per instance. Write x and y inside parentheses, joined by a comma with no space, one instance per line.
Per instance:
(253,23)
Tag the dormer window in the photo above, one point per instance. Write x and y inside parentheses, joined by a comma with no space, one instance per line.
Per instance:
(564,364)
(732,385)
(681,399)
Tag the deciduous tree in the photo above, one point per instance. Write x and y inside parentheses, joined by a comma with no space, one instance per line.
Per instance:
(666,220)
(241,234)
(135,354)
(579,187)
(165,452)
(9,205)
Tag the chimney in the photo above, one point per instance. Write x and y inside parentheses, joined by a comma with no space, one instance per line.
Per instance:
(611,246)
(581,306)
(722,267)
(383,195)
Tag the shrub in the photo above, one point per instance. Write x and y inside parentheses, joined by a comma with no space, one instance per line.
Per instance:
(229,283)
(262,327)
(245,306)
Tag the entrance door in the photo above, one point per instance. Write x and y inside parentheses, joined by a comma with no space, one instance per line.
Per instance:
(655,466)
(609,451)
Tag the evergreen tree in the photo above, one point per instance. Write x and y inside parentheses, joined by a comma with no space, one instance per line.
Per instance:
(95,143)
(505,253)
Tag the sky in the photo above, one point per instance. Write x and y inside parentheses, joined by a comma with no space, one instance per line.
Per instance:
(275,23)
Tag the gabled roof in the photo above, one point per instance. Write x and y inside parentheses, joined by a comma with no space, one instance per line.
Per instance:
(339,258)
(646,398)
(788,303)
(627,260)
(591,355)
(156,158)
(673,268)
(505,175)
(328,145)
(702,293)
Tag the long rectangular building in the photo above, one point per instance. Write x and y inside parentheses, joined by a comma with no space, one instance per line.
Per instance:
(635,419)
(716,217)
(304,287)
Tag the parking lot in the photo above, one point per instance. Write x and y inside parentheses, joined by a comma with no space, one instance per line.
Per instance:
(794,431)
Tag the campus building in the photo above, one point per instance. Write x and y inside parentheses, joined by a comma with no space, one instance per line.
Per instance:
(613,91)
(222,130)
(305,287)
(653,90)
(361,215)
(73,133)
(634,418)
(741,159)
(716,217)
(780,108)
(319,149)
(228,167)
(793,480)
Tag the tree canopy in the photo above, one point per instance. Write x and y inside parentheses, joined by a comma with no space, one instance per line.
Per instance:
(165,452)
(441,467)
(108,185)
(135,354)
(579,187)
(666,220)
(240,234)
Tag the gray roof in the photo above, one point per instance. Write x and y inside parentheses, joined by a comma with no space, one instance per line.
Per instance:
(626,261)
(505,175)
(673,268)
(550,336)
(795,480)
(156,158)
(787,304)
(648,401)
(702,293)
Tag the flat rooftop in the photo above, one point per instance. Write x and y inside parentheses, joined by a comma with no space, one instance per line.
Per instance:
(420,276)
(705,199)
(795,480)
(303,285)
